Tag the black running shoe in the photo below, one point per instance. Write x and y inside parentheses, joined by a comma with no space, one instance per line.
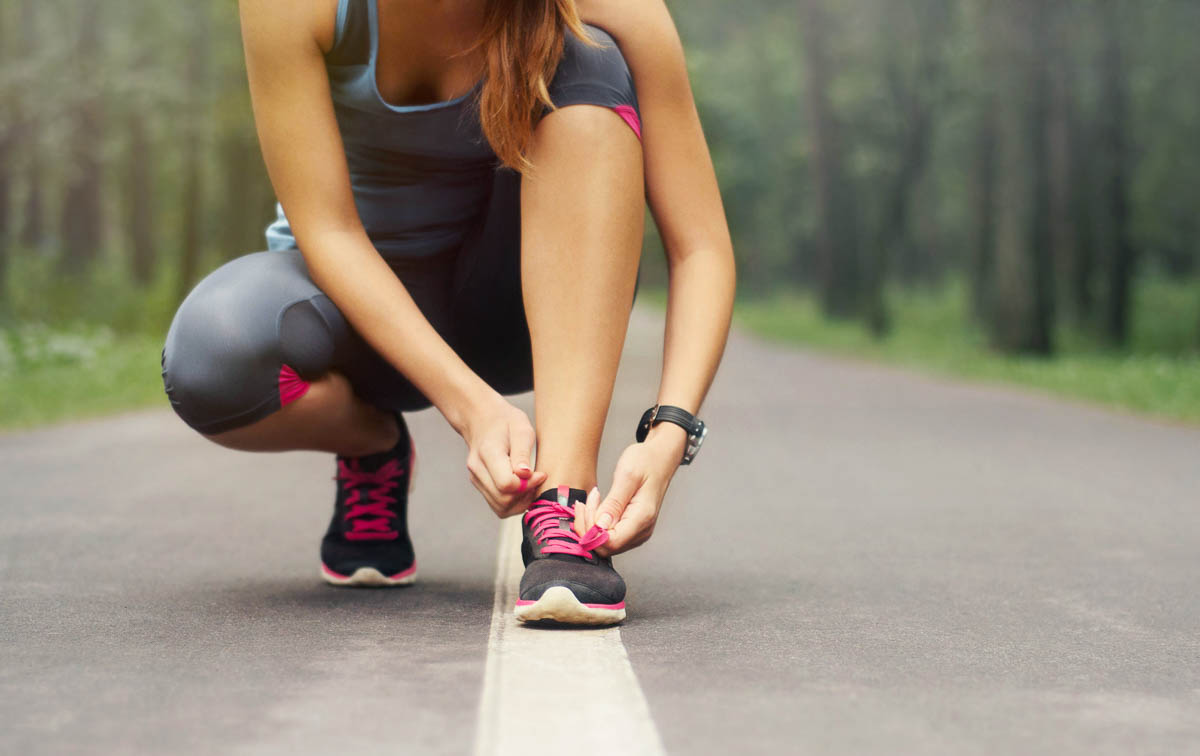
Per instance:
(367,543)
(564,581)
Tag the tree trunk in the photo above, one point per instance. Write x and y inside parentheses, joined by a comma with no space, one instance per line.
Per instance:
(241,222)
(140,200)
(193,186)
(1061,132)
(81,208)
(33,228)
(837,232)
(1041,261)
(983,202)
(1022,309)
(1114,143)
(7,137)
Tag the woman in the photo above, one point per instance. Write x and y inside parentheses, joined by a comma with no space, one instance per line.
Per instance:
(461,189)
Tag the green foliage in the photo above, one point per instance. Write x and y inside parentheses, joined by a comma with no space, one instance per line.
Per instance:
(39,295)
(49,374)
(1160,375)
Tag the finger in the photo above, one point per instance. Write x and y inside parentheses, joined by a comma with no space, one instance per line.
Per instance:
(520,446)
(591,506)
(487,493)
(631,530)
(517,503)
(612,508)
(500,468)
(512,504)
(585,512)
(580,522)
(483,482)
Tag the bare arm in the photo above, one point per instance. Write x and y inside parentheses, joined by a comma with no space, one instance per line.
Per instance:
(297,129)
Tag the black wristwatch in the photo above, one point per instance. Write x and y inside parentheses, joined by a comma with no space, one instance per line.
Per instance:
(665,413)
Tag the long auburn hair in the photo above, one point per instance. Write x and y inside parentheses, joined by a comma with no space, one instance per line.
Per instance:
(523,43)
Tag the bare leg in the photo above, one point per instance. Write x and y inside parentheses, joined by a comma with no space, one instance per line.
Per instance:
(329,417)
(582,216)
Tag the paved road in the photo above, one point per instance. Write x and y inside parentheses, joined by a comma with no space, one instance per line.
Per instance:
(861,561)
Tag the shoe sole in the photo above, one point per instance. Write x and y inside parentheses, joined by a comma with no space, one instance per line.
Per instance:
(559,604)
(369,577)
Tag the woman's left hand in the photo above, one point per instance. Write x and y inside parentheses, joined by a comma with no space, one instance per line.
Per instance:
(640,481)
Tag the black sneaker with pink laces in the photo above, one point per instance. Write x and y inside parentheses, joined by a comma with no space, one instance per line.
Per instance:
(564,582)
(367,543)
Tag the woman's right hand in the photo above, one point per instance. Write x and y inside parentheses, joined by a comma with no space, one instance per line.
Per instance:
(500,441)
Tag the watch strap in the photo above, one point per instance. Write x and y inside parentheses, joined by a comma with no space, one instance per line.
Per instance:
(665,413)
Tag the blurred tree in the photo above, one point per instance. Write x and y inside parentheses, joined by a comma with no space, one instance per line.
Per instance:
(195,121)
(33,230)
(1022,306)
(837,243)
(8,129)
(138,189)
(1114,143)
(81,212)
(909,37)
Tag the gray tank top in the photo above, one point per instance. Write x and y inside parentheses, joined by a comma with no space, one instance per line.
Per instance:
(421,174)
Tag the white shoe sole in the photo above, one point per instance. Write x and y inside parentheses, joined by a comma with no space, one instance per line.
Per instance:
(559,604)
(369,577)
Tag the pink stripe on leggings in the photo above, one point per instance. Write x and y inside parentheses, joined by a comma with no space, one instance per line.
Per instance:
(291,385)
(631,117)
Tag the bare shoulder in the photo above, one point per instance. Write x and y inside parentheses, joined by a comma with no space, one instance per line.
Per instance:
(628,20)
(290,21)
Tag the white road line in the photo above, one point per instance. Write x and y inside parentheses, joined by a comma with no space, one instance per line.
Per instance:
(553,690)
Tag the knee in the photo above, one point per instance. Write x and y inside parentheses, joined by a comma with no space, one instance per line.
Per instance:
(225,363)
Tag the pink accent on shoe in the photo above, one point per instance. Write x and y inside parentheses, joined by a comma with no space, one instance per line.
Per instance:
(543,517)
(527,602)
(291,385)
(404,573)
(369,520)
(630,117)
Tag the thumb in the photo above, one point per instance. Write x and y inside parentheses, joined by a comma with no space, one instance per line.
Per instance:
(613,506)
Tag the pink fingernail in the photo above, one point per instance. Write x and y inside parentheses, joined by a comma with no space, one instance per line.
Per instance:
(524,484)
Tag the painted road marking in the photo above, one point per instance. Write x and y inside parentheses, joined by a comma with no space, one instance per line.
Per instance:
(556,691)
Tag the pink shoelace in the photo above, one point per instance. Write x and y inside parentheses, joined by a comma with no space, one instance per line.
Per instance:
(369,519)
(543,517)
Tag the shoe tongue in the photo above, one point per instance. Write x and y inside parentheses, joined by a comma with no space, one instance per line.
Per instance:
(567,497)
(564,495)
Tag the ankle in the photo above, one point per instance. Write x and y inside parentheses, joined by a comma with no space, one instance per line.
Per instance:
(381,433)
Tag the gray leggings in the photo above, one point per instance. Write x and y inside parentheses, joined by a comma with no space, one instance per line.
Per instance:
(252,333)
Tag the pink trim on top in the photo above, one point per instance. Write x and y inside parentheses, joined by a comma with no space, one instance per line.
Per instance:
(630,117)
(291,385)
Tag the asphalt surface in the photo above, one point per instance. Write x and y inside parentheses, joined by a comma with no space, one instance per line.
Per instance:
(861,560)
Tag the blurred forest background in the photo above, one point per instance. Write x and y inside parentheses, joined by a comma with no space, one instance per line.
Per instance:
(1004,189)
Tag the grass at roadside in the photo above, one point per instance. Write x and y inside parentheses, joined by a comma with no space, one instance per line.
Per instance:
(49,374)
(1158,375)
